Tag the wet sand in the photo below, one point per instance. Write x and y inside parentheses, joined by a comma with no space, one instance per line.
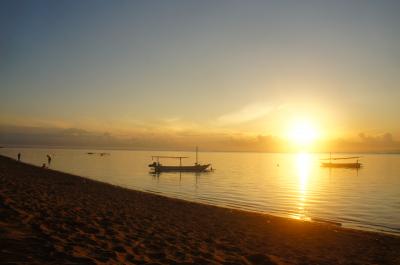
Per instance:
(49,217)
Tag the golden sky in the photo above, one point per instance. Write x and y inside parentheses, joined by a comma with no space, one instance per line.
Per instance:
(242,76)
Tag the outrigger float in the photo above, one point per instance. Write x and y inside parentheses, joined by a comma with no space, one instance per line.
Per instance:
(158,167)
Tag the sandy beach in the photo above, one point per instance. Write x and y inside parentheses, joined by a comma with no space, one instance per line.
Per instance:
(49,217)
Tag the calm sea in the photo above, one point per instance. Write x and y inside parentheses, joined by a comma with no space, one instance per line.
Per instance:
(292,185)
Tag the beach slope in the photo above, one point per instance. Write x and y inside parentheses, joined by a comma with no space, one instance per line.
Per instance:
(49,217)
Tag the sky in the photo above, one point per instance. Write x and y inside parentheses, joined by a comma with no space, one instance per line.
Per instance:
(226,75)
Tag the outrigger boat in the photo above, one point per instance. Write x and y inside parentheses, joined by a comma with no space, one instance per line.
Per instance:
(158,167)
(331,164)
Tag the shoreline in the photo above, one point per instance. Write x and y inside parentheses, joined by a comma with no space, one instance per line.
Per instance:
(347,225)
(82,221)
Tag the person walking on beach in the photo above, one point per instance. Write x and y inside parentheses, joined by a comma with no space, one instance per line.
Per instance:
(19,156)
(48,159)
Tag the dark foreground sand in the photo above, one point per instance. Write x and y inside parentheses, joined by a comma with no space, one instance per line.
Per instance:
(48,217)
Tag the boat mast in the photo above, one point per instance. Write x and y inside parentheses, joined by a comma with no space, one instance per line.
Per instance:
(197,150)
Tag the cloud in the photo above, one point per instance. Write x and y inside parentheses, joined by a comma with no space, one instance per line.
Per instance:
(169,139)
(386,138)
(74,132)
(364,142)
(50,136)
(248,113)
(160,140)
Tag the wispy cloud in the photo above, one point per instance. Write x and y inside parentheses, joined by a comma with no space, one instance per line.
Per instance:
(247,113)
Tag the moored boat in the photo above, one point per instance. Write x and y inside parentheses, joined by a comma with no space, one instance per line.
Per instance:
(341,165)
(331,164)
(158,167)
(195,168)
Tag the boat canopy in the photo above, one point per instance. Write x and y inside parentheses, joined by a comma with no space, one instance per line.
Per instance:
(340,158)
(176,157)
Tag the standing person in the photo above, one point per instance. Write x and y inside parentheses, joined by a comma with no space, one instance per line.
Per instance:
(19,156)
(48,159)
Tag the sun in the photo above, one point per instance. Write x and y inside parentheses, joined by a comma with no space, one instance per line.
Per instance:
(302,132)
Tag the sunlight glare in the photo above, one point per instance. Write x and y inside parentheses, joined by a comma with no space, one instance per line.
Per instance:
(302,133)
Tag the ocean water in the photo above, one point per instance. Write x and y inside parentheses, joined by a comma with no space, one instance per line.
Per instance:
(290,185)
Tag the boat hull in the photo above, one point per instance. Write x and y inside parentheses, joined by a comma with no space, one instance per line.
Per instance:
(341,165)
(195,168)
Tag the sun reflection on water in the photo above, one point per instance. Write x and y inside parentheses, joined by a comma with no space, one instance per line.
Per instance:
(303,169)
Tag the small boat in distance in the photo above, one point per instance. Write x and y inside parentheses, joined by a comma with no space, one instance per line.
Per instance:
(331,164)
(95,153)
(158,167)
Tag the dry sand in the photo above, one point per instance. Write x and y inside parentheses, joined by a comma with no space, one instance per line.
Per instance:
(49,217)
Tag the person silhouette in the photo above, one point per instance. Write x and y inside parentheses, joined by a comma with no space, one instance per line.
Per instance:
(48,159)
(19,156)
